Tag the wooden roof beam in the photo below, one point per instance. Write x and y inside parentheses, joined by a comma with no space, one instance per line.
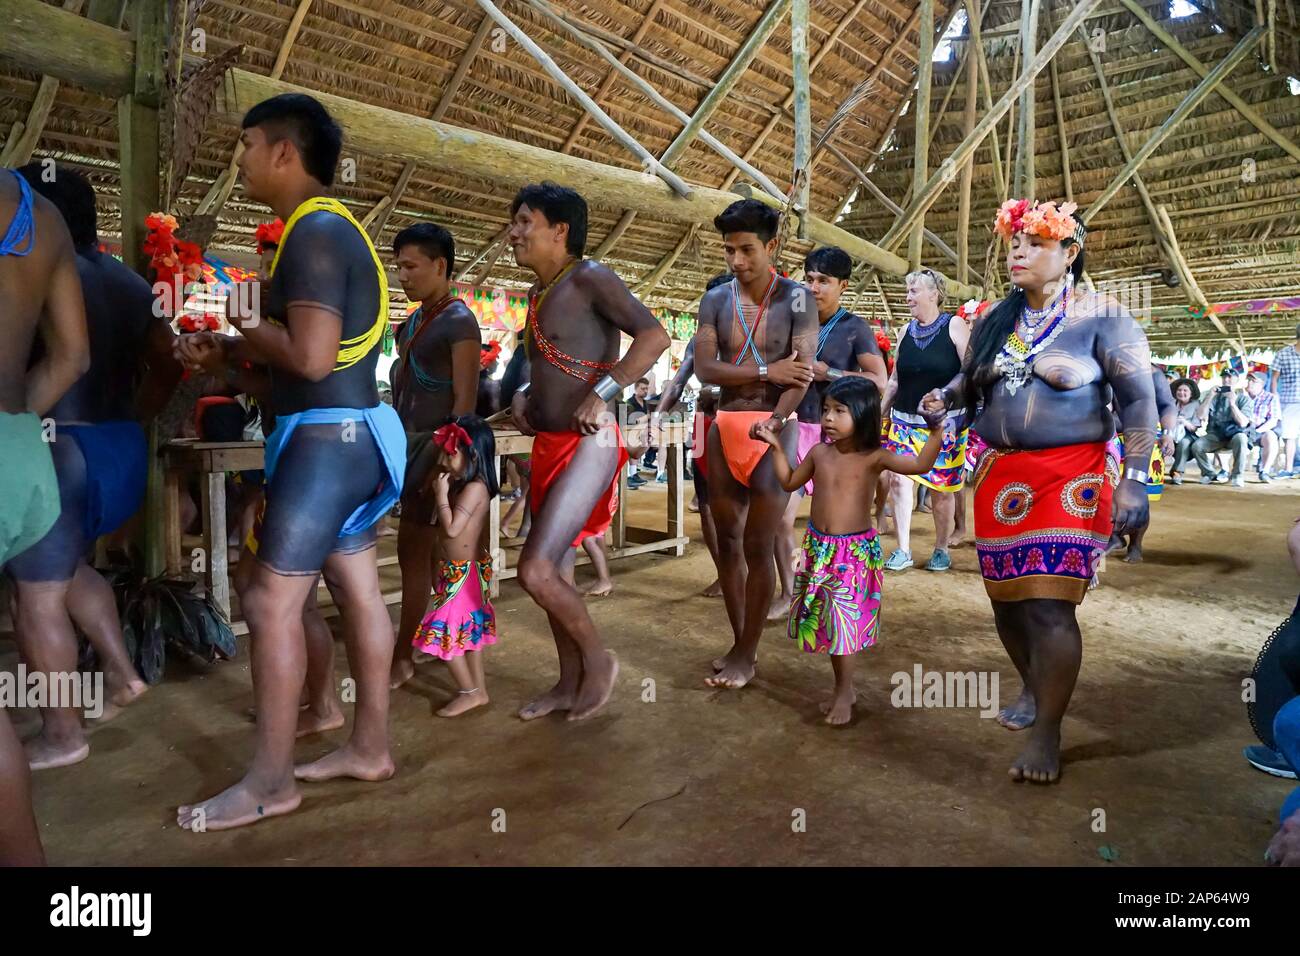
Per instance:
(47,39)
(1245,109)
(25,134)
(1185,108)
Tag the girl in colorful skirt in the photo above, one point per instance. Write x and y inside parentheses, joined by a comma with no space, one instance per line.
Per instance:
(836,605)
(462,622)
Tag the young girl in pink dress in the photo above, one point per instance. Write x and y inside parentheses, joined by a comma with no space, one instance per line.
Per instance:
(462,622)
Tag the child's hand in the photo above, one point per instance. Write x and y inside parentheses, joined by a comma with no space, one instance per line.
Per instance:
(767,431)
(442,486)
(933,414)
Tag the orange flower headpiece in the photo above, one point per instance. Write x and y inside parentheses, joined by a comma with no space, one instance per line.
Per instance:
(268,235)
(1045,219)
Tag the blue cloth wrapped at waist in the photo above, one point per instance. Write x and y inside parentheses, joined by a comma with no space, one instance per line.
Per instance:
(117,469)
(390,440)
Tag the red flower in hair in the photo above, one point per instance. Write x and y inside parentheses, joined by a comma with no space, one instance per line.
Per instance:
(268,234)
(450,437)
(489,354)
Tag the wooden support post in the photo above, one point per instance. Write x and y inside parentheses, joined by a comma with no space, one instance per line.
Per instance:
(802,112)
(216,575)
(1245,109)
(18,151)
(620,135)
(968,125)
(1008,173)
(922,201)
(1185,108)
(1061,134)
(889,313)
(921,117)
(1024,184)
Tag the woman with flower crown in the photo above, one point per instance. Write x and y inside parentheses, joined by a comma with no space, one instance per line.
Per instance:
(1045,361)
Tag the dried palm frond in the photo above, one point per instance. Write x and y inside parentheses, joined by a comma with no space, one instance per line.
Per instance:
(190,106)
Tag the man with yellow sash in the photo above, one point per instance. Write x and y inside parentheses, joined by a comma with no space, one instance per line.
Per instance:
(334,462)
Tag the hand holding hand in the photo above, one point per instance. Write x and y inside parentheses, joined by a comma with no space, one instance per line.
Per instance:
(933,415)
(766,431)
(819,372)
(934,400)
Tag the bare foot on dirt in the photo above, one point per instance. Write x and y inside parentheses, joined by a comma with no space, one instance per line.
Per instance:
(734,673)
(839,709)
(44,754)
(556,699)
(598,589)
(1134,556)
(1040,762)
(780,609)
(463,702)
(713,590)
(957,540)
(313,721)
(403,670)
(346,762)
(596,687)
(119,694)
(1020,714)
(237,806)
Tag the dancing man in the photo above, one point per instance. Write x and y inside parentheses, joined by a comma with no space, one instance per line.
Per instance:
(930,350)
(435,377)
(577,305)
(101,459)
(334,462)
(757,339)
(846,348)
(1041,360)
(41,299)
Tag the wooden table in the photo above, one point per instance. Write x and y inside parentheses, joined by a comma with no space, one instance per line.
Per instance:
(212,460)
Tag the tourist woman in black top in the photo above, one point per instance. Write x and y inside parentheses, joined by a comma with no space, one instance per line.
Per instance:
(930,350)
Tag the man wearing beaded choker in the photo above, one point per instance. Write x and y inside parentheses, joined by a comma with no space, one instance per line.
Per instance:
(435,378)
(1044,506)
(757,339)
(846,348)
(577,305)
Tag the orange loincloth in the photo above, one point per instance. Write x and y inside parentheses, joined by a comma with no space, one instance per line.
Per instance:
(552,452)
(742,452)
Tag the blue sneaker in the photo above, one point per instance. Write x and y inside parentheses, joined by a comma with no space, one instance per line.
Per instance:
(900,560)
(635,481)
(939,561)
(1269,761)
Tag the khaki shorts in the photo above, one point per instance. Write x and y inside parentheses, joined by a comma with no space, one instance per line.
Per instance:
(1291,421)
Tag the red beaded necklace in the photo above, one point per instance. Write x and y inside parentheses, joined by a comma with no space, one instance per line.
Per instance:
(550,351)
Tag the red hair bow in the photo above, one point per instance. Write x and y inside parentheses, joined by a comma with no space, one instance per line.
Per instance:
(489,354)
(450,437)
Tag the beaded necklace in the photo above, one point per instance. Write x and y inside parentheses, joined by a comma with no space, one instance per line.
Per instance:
(750,347)
(551,352)
(22,230)
(409,364)
(824,332)
(1015,359)
(923,335)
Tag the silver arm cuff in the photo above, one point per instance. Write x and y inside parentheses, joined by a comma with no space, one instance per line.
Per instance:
(607,388)
(1137,474)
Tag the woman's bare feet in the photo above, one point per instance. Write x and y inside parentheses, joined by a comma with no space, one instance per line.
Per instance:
(595,688)
(463,701)
(1020,714)
(1134,555)
(238,806)
(403,670)
(317,720)
(46,754)
(957,539)
(120,693)
(713,590)
(346,762)
(839,709)
(598,589)
(734,673)
(1040,761)
(559,697)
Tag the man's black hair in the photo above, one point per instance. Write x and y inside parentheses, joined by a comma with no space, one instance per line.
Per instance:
(303,120)
(72,195)
(831,261)
(722,278)
(748,215)
(433,240)
(558,204)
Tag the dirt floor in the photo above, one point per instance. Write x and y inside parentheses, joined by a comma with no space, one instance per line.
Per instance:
(700,776)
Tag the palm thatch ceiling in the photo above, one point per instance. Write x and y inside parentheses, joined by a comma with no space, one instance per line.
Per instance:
(1241,239)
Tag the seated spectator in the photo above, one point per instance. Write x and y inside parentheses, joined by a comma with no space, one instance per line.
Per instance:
(1265,416)
(1187,396)
(1227,418)
(638,407)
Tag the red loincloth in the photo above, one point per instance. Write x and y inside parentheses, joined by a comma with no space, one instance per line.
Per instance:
(552,452)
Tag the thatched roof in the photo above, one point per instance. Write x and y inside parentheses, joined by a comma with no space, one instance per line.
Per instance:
(1242,240)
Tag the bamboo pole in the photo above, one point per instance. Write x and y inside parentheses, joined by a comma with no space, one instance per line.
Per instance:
(977,41)
(18,151)
(1025,183)
(619,69)
(652,280)
(615,234)
(921,118)
(884,300)
(1185,108)
(1181,265)
(648,162)
(802,174)
(483,253)
(947,171)
(767,23)
(1008,167)
(46,39)
(968,125)
(1245,109)
(1061,136)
